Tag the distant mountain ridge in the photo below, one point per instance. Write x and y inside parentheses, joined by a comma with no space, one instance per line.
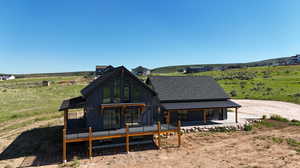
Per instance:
(77,73)
(292,60)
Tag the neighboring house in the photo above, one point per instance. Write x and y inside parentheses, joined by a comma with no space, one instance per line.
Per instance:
(119,105)
(294,60)
(197,69)
(7,77)
(100,69)
(191,98)
(141,71)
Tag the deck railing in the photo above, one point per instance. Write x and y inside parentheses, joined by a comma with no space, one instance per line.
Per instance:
(79,135)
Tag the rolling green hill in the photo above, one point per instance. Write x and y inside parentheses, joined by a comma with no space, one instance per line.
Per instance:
(269,62)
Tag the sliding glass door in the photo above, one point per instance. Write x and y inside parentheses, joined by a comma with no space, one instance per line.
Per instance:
(112,118)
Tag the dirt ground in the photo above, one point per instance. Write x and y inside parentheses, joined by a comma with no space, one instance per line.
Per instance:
(261,147)
(237,149)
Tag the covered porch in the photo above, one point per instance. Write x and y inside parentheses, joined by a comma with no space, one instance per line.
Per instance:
(197,113)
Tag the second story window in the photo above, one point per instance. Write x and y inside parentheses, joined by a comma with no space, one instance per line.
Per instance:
(106,95)
(117,91)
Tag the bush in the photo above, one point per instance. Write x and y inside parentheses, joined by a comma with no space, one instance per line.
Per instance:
(295,122)
(269,89)
(247,127)
(296,95)
(233,93)
(279,118)
(264,117)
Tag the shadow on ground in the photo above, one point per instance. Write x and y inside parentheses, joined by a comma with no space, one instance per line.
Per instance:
(38,146)
(43,146)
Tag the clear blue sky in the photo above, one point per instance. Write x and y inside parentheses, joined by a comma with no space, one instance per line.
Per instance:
(59,36)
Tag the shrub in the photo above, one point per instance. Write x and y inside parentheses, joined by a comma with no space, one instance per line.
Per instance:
(292,142)
(277,140)
(248,127)
(233,93)
(279,118)
(269,89)
(295,122)
(264,117)
(296,95)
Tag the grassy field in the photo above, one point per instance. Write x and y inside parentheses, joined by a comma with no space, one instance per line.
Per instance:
(266,83)
(25,97)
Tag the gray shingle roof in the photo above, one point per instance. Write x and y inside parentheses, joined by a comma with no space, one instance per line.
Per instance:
(187,88)
(200,105)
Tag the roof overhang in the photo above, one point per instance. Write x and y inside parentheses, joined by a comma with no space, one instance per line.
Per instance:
(122,105)
(73,103)
(200,105)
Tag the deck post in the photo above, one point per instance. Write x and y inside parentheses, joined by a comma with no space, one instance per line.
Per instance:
(179,132)
(236,115)
(65,118)
(90,142)
(64,146)
(158,135)
(127,138)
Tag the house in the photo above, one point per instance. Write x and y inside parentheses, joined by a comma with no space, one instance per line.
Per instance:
(294,60)
(100,69)
(191,98)
(141,71)
(7,77)
(118,105)
(197,69)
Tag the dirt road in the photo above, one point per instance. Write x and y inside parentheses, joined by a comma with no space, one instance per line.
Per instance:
(268,107)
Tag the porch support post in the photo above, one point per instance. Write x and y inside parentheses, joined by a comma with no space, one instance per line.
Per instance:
(236,115)
(64,146)
(204,116)
(179,132)
(158,135)
(65,118)
(168,117)
(90,142)
(127,138)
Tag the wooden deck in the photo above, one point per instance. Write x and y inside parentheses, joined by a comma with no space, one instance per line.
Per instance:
(126,132)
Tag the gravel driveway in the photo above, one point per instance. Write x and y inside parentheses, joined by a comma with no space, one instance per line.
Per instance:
(268,107)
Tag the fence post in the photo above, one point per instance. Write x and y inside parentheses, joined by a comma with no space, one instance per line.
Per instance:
(64,146)
(179,132)
(158,135)
(127,138)
(90,142)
